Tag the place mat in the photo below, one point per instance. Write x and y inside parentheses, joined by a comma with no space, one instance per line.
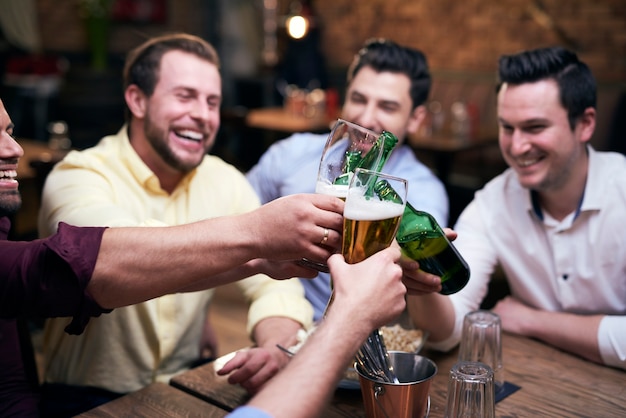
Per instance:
(506,389)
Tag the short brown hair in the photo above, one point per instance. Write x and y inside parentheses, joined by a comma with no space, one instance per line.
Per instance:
(142,63)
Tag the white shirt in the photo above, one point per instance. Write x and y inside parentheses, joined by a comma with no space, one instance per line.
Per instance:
(577,265)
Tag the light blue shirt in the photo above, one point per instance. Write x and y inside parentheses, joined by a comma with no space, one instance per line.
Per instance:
(290,166)
(248,412)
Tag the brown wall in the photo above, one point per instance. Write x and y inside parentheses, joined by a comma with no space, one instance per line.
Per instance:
(63,30)
(469,35)
(465,36)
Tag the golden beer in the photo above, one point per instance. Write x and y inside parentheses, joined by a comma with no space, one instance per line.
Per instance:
(368,227)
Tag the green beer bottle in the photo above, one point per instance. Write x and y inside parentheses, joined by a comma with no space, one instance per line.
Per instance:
(387,141)
(421,238)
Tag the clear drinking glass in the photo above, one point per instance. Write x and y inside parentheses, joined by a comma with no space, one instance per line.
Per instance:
(470,391)
(481,341)
(370,221)
(345,148)
(348,146)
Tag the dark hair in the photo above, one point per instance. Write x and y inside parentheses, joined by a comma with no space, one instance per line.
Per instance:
(142,63)
(385,55)
(577,86)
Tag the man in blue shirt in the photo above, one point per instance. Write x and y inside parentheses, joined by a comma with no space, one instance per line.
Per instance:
(388,86)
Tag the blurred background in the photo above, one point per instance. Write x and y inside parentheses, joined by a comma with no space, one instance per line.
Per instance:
(61,60)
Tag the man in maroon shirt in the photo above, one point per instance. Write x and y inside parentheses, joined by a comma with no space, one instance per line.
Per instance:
(84,272)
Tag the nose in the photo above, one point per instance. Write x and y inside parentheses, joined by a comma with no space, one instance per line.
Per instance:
(367,118)
(519,143)
(9,148)
(200,110)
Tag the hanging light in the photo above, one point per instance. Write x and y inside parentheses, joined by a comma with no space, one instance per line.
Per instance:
(298,22)
(297,26)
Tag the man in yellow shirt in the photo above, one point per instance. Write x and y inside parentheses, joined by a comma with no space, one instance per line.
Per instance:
(156,171)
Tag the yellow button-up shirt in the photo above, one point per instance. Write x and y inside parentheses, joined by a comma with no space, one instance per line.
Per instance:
(134,346)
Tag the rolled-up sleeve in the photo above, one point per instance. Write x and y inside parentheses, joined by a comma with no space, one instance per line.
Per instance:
(276,298)
(612,341)
(49,277)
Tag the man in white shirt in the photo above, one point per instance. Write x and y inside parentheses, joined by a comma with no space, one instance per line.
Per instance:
(554,221)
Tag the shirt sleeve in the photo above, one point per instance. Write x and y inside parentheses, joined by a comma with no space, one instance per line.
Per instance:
(266,173)
(48,277)
(473,244)
(248,412)
(612,341)
(276,298)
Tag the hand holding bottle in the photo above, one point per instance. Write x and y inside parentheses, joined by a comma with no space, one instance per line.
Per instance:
(417,281)
(422,239)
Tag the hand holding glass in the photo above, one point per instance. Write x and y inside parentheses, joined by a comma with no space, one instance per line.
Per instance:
(348,145)
(370,223)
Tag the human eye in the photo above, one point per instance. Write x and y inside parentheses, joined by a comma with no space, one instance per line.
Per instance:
(535,128)
(184,94)
(389,107)
(214,103)
(506,128)
(357,98)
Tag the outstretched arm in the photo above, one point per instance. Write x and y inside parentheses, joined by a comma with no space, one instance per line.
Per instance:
(139,263)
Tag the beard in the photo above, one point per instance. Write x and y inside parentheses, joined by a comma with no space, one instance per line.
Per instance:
(158,140)
(10,202)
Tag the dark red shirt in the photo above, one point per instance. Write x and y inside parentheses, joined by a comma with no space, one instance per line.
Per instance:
(41,278)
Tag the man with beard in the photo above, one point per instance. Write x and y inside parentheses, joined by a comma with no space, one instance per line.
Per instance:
(388,85)
(554,221)
(156,171)
(84,272)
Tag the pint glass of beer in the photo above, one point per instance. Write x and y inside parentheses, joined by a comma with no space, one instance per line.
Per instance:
(348,146)
(370,222)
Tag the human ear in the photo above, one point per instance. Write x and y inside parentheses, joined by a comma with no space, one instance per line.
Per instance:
(136,101)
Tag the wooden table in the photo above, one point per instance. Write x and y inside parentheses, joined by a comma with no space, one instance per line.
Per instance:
(280,120)
(553,384)
(156,400)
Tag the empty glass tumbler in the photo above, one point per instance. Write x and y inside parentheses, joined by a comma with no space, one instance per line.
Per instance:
(482,341)
(471,392)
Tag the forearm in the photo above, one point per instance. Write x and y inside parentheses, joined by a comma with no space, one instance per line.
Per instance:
(323,360)
(574,333)
(137,264)
(433,313)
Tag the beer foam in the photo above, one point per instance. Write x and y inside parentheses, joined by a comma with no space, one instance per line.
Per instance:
(336,190)
(359,208)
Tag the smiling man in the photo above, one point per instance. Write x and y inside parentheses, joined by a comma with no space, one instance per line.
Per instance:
(388,85)
(156,171)
(554,221)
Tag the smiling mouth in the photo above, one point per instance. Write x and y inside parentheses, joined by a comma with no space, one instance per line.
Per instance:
(190,135)
(8,175)
(527,162)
